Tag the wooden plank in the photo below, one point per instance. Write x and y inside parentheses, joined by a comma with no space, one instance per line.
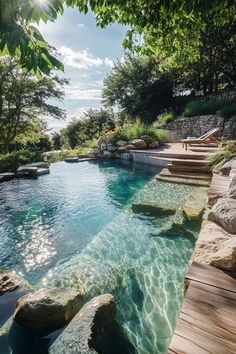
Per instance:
(207,320)
(182,345)
(211,276)
(205,341)
(219,185)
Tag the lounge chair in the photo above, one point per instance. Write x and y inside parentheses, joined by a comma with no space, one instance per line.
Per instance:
(208,138)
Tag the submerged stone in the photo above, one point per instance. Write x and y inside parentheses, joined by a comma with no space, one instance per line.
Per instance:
(176,230)
(93,330)
(195,204)
(48,309)
(152,209)
(10,281)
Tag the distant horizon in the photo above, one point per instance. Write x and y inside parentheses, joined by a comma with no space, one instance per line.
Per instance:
(87,60)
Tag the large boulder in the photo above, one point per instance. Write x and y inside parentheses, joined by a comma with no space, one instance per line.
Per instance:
(41,164)
(94,151)
(153,145)
(27,171)
(103,147)
(138,144)
(224,214)
(130,147)
(10,281)
(6,176)
(86,332)
(111,147)
(108,154)
(121,143)
(195,204)
(12,287)
(215,247)
(232,188)
(147,138)
(228,166)
(121,149)
(101,141)
(48,309)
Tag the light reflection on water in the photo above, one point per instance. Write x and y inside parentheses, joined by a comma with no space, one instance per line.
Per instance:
(75,227)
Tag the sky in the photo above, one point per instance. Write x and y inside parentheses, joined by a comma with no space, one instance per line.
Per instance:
(88,54)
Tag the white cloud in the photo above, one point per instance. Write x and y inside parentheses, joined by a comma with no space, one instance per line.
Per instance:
(77,92)
(81,25)
(83,59)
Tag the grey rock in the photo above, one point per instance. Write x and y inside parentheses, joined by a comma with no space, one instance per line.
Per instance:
(148,139)
(108,154)
(86,332)
(101,141)
(28,172)
(215,247)
(48,309)
(224,214)
(111,148)
(121,143)
(138,143)
(10,281)
(40,164)
(121,149)
(153,145)
(72,159)
(6,176)
(103,147)
(226,168)
(94,151)
(232,188)
(130,147)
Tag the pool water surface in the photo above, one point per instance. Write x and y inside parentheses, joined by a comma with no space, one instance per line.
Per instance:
(75,227)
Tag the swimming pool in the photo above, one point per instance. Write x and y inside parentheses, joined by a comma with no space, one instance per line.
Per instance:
(75,227)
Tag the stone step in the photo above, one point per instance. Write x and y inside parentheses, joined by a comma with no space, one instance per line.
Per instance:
(183,156)
(188,168)
(187,181)
(194,175)
(184,161)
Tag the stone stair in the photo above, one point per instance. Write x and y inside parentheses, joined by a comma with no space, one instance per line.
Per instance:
(191,168)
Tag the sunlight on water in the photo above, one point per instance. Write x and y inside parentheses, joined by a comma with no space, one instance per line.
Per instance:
(75,227)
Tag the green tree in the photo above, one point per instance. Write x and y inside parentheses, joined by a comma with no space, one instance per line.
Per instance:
(170,26)
(24,100)
(215,68)
(138,88)
(94,122)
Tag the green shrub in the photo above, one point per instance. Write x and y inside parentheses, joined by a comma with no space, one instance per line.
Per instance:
(136,130)
(228,111)
(168,117)
(61,155)
(226,153)
(10,162)
(198,108)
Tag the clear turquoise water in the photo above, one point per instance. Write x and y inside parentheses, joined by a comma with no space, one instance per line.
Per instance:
(75,227)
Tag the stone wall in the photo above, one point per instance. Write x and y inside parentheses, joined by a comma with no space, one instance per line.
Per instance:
(181,128)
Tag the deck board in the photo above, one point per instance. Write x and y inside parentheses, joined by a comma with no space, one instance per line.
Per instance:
(219,185)
(207,320)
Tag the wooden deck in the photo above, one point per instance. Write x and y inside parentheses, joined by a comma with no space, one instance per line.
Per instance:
(207,322)
(219,185)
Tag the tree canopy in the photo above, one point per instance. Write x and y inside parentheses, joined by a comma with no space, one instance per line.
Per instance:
(172,27)
(23,102)
(138,88)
